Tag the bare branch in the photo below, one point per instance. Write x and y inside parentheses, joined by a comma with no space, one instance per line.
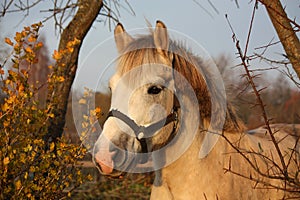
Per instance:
(203,8)
(275,170)
(285,63)
(250,30)
(18,6)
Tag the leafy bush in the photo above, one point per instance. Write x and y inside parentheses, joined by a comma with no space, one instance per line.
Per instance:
(32,165)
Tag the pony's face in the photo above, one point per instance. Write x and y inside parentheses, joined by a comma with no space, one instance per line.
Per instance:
(143,91)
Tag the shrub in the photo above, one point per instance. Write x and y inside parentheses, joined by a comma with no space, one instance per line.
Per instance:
(33,167)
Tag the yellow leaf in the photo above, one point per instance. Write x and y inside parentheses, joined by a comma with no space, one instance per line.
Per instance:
(7,81)
(18,37)
(52,145)
(97,110)
(56,163)
(9,42)
(28,148)
(31,39)
(70,44)
(86,93)
(59,153)
(76,41)
(6,160)
(82,101)
(5,107)
(84,124)
(57,55)
(18,184)
(22,158)
(89,177)
(61,79)
(27,28)
(24,33)
(16,47)
(51,115)
(11,100)
(92,113)
(39,45)
(70,49)
(28,50)
(21,88)
(31,169)
(26,175)
(37,25)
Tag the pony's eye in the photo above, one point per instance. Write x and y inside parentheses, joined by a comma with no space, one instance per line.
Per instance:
(154,89)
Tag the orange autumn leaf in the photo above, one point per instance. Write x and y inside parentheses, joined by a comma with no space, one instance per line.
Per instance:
(6,160)
(28,50)
(31,39)
(18,37)
(9,42)
(27,28)
(82,101)
(97,110)
(61,79)
(38,45)
(57,55)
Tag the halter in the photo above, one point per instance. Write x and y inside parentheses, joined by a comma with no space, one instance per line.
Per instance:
(142,131)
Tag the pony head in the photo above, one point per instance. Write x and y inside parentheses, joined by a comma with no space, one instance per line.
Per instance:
(161,95)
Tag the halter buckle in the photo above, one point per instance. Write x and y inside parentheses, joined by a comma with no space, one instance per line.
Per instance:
(140,135)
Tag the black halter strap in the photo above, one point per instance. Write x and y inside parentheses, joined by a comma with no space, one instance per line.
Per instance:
(142,131)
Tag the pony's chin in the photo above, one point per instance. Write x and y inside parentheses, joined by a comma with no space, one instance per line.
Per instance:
(109,172)
(114,174)
(127,167)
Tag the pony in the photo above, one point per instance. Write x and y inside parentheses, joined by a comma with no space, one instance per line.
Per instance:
(169,115)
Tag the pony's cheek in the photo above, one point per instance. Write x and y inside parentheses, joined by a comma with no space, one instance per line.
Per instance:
(157,112)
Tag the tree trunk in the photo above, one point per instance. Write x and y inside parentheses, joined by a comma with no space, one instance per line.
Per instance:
(86,14)
(285,32)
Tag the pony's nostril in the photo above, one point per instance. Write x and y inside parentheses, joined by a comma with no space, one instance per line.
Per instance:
(104,160)
(119,157)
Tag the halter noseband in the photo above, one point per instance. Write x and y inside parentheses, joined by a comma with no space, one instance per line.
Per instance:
(142,131)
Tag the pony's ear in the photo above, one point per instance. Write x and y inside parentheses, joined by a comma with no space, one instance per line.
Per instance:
(122,38)
(161,38)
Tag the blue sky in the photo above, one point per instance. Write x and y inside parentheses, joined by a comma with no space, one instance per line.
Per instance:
(210,30)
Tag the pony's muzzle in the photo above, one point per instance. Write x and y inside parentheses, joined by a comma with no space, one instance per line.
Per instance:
(108,160)
(106,156)
(104,162)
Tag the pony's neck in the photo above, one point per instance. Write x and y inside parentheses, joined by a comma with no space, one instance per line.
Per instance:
(191,157)
(189,168)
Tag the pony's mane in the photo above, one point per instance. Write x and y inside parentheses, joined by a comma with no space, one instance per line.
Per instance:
(142,50)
